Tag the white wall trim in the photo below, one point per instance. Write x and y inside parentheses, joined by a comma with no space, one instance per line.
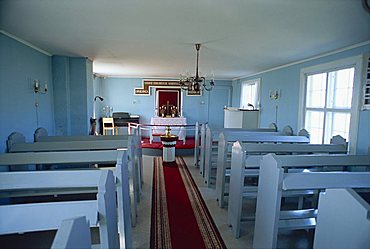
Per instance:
(25,43)
(357,63)
(305,60)
(148,77)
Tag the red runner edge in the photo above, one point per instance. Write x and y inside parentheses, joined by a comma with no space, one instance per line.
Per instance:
(180,218)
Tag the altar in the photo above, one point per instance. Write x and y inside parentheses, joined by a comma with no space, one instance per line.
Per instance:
(179,131)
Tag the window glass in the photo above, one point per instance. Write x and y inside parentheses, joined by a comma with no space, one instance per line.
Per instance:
(314,124)
(316,88)
(249,94)
(337,124)
(341,85)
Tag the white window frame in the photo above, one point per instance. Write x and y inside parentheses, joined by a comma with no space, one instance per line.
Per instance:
(356,62)
(249,82)
(366,79)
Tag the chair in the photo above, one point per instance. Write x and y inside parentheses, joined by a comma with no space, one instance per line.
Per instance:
(108,125)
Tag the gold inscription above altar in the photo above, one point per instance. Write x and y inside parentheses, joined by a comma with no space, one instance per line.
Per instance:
(147,84)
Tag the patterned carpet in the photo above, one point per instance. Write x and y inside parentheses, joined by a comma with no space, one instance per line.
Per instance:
(180,218)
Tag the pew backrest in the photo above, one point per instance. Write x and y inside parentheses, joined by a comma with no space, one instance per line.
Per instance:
(81,138)
(68,146)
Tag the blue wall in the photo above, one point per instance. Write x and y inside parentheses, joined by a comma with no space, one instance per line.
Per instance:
(73,86)
(288,81)
(119,93)
(19,66)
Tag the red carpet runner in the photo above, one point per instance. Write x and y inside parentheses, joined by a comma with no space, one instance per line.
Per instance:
(180,218)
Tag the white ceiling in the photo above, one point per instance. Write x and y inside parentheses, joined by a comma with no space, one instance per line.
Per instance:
(146,38)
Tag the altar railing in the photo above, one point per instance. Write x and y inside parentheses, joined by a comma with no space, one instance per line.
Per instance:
(150,130)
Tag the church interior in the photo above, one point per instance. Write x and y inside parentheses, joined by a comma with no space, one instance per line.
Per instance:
(185,124)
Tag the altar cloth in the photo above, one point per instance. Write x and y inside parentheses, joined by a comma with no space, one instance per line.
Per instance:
(160,130)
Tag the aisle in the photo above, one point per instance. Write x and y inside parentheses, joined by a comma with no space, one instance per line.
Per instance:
(180,218)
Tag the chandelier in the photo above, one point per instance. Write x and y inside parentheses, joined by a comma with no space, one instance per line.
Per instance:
(195,83)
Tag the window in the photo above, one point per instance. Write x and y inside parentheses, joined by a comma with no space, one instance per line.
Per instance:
(250,94)
(329,105)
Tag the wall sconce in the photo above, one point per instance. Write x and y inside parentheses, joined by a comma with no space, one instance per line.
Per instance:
(274,94)
(38,88)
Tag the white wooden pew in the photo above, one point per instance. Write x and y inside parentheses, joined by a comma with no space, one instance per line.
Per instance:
(30,217)
(224,152)
(245,162)
(133,141)
(348,226)
(73,233)
(211,144)
(16,144)
(209,138)
(273,181)
(119,157)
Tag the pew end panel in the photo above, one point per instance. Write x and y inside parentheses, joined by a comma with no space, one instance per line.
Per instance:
(13,139)
(197,145)
(107,214)
(235,202)
(221,158)
(73,233)
(208,154)
(287,130)
(125,206)
(304,133)
(202,148)
(268,203)
(273,126)
(354,212)
(40,133)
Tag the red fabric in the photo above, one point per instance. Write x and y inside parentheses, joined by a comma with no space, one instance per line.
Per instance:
(171,95)
(190,143)
(185,232)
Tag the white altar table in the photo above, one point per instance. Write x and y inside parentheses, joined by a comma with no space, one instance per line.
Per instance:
(160,130)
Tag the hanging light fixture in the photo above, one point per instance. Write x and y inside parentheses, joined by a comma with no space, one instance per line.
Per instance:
(197,82)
